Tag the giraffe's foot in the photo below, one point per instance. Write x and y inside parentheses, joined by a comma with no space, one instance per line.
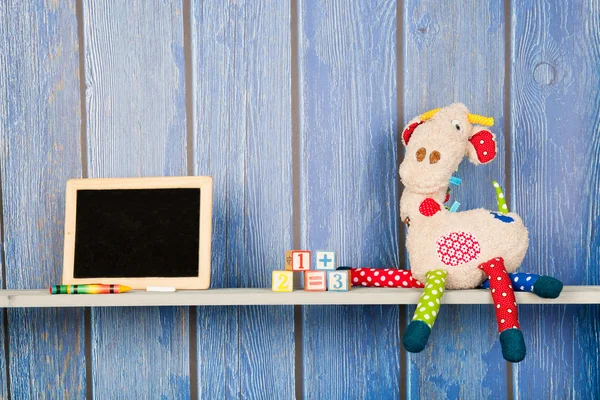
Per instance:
(547,287)
(513,345)
(416,335)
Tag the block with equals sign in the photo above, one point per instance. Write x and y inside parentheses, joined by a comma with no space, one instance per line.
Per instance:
(315,281)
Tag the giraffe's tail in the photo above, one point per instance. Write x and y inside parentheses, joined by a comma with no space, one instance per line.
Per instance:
(502,207)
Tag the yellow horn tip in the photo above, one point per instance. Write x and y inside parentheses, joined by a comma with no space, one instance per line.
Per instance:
(481,120)
(429,114)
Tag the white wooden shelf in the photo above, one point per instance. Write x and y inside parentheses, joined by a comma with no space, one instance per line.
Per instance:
(231,297)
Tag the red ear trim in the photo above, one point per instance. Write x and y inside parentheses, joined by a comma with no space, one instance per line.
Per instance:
(485,146)
(409,131)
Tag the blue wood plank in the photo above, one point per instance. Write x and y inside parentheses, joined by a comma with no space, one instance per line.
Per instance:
(3,350)
(242,137)
(555,148)
(3,313)
(3,354)
(349,196)
(135,109)
(453,54)
(214,42)
(40,147)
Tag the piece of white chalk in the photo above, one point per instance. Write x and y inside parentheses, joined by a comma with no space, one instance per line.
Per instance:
(160,289)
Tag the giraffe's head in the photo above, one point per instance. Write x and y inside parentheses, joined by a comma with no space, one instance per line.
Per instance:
(437,141)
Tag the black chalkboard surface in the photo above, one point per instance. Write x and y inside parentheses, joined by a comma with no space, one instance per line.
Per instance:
(138,232)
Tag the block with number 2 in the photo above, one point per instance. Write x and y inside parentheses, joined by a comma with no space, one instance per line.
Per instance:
(283,281)
(338,281)
(300,260)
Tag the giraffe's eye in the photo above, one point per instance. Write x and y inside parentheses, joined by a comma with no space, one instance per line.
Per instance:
(456,124)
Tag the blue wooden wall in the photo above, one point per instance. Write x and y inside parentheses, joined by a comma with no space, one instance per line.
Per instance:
(295,107)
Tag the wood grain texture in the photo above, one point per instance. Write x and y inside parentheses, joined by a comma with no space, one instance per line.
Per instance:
(456,54)
(555,128)
(349,196)
(242,138)
(40,150)
(135,88)
(135,105)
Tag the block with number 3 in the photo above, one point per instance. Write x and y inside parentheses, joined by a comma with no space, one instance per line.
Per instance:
(325,260)
(338,281)
(283,281)
(300,260)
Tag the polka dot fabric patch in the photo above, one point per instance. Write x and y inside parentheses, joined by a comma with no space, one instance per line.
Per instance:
(387,277)
(429,304)
(429,207)
(457,248)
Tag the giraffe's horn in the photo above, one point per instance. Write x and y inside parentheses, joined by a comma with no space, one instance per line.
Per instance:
(473,118)
(480,120)
(429,114)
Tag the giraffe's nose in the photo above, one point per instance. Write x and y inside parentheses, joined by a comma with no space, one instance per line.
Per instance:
(434,156)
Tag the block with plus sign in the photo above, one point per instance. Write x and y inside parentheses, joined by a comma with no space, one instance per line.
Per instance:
(338,280)
(326,260)
(315,281)
(283,281)
(300,260)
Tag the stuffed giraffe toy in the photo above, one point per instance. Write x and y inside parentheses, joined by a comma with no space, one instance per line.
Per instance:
(457,250)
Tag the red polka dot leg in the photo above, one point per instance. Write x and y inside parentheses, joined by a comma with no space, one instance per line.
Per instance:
(388,277)
(502,293)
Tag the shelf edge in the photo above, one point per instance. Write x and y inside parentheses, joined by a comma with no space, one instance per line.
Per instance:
(250,296)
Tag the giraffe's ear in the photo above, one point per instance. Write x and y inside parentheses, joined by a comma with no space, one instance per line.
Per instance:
(409,129)
(482,147)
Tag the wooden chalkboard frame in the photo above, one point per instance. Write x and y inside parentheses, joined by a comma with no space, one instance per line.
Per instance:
(204,183)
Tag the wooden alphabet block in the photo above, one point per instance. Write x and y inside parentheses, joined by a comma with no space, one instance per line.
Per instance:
(300,260)
(283,281)
(339,281)
(315,281)
(288,260)
(326,260)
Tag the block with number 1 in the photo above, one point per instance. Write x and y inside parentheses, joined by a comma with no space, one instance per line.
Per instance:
(300,260)
(283,281)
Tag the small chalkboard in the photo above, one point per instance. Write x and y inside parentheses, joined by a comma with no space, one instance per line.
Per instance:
(139,232)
